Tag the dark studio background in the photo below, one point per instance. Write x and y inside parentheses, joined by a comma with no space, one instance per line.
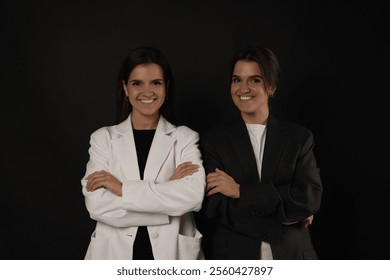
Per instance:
(59,61)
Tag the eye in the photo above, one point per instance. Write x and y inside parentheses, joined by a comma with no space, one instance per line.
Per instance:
(136,83)
(236,80)
(157,83)
(256,80)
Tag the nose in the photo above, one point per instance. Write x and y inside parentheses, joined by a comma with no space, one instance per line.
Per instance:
(148,90)
(244,89)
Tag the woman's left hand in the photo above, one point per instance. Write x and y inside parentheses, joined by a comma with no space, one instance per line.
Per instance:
(185,169)
(307,222)
(103,179)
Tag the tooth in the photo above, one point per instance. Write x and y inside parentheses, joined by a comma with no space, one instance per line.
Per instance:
(147,100)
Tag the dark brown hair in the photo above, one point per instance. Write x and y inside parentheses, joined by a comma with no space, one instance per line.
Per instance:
(266,59)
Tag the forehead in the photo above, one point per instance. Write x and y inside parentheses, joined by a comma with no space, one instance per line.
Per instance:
(246,68)
(147,71)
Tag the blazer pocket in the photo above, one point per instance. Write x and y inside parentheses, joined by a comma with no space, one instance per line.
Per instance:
(98,248)
(189,248)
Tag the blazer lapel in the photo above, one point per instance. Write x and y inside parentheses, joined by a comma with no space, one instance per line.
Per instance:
(161,146)
(274,142)
(124,147)
(242,147)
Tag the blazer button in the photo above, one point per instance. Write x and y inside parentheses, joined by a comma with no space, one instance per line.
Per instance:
(255,213)
(154,235)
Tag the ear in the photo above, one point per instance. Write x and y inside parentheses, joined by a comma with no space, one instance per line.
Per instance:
(271,91)
(124,87)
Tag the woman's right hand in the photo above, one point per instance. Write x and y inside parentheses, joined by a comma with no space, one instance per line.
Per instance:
(104,179)
(183,170)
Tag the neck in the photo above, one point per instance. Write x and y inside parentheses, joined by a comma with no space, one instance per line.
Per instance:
(141,122)
(256,118)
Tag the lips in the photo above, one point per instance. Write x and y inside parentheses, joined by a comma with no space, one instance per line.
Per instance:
(246,98)
(146,101)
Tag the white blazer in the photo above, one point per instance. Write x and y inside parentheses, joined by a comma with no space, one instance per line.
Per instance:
(164,206)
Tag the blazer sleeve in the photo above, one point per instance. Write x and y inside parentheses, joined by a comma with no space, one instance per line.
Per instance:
(173,198)
(302,196)
(102,204)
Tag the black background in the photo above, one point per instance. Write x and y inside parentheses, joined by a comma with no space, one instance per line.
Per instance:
(59,62)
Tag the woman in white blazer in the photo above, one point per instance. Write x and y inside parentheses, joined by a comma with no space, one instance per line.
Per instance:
(144,177)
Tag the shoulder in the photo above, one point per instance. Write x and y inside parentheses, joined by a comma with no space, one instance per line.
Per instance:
(294,131)
(183,131)
(297,129)
(104,133)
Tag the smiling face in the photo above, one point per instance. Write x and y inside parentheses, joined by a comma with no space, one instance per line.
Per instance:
(249,92)
(146,90)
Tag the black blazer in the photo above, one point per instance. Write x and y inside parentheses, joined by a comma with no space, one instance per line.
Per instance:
(290,190)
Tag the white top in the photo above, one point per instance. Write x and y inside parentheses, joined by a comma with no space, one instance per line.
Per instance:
(257,134)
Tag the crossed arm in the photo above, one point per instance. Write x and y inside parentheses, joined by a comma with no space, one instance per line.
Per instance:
(104,179)
(221,182)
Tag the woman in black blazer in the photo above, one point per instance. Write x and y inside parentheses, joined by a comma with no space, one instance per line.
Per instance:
(263,183)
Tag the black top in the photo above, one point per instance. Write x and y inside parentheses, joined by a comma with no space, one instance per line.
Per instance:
(142,249)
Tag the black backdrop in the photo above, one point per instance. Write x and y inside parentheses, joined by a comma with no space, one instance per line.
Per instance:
(59,61)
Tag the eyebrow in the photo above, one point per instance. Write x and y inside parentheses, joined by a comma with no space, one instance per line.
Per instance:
(254,76)
(154,80)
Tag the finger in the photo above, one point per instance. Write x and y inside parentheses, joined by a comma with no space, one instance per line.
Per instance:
(91,175)
(182,167)
(91,182)
(219,174)
(186,170)
(98,183)
(187,173)
(212,175)
(219,171)
(96,174)
(183,171)
(209,187)
(96,187)
(184,164)
(214,180)
(212,191)
(190,167)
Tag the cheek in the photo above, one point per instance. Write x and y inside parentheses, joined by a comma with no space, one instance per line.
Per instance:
(233,89)
(132,92)
(127,89)
(161,92)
